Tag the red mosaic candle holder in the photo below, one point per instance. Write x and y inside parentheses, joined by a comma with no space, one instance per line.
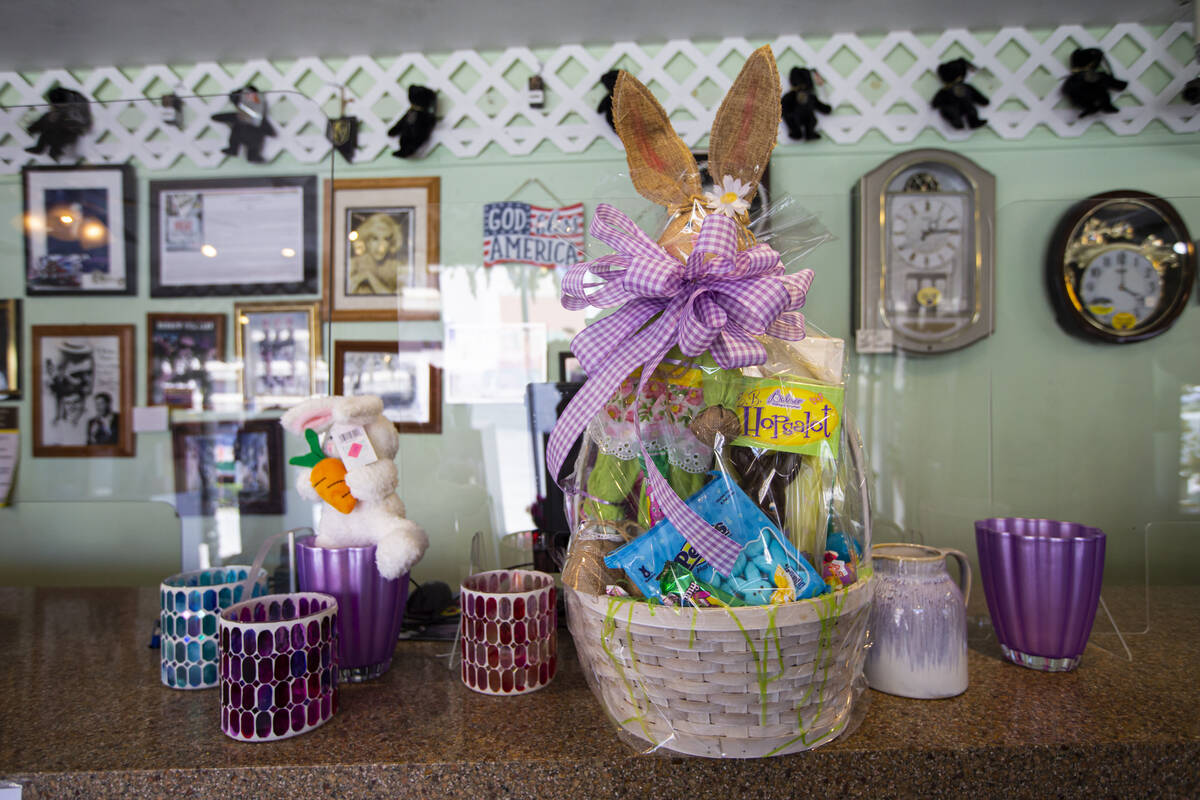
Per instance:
(509,631)
(279,668)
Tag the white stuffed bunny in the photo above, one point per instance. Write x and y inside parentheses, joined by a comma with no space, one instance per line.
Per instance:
(377,513)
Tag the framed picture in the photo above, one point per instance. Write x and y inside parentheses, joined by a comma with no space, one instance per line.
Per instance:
(80,230)
(402,373)
(383,263)
(10,349)
(228,465)
(240,236)
(180,352)
(277,345)
(82,390)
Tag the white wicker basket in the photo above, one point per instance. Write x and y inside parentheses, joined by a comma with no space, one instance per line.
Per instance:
(737,683)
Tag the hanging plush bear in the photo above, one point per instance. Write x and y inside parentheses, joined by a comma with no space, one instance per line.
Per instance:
(415,127)
(801,104)
(609,79)
(956,100)
(248,125)
(69,118)
(1088,85)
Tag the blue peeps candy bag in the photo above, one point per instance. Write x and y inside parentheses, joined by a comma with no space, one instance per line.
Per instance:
(769,569)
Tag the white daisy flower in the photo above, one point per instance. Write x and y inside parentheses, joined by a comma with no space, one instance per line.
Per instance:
(729,198)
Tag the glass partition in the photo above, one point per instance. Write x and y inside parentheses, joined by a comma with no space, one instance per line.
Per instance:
(1029,421)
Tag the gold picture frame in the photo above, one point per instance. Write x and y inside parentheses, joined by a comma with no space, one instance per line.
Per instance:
(277,345)
(382,260)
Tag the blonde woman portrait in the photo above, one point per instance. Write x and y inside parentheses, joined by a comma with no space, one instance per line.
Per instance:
(380,251)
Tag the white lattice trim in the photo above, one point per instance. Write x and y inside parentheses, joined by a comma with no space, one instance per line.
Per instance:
(878,84)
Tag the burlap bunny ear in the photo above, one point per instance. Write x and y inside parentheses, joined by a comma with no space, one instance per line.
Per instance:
(747,123)
(660,165)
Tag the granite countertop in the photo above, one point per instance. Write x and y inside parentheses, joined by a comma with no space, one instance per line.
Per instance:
(84,715)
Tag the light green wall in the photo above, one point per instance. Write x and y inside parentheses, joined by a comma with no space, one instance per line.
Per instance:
(1029,422)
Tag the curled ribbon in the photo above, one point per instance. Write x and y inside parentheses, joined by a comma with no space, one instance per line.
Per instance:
(718,300)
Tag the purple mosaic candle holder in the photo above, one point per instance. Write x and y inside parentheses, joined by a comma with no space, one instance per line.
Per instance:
(1042,581)
(370,607)
(278,666)
(189,604)
(509,631)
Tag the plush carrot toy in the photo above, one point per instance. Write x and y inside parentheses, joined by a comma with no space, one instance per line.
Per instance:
(328,474)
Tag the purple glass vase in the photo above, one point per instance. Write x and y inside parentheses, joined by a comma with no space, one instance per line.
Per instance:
(370,607)
(1042,582)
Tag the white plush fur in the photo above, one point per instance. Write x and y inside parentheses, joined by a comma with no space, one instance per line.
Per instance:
(378,516)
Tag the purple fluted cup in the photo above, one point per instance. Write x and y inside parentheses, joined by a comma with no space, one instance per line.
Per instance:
(1042,582)
(370,607)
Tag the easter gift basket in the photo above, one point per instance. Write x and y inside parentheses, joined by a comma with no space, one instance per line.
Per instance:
(718,578)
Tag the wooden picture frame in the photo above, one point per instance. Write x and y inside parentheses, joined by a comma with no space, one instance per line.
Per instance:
(383,255)
(233,236)
(80,230)
(74,368)
(226,464)
(403,374)
(179,351)
(10,349)
(278,345)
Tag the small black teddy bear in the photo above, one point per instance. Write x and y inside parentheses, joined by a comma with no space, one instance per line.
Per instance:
(1088,84)
(800,105)
(248,125)
(956,100)
(69,118)
(609,79)
(416,126)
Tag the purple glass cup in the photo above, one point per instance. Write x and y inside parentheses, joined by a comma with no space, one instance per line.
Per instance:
(370,607)
(1042,582)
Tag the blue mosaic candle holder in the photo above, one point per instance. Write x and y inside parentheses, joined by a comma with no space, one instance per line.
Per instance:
(190,604)
(279,666)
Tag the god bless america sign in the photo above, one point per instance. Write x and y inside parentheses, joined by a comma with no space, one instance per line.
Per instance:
(518,233)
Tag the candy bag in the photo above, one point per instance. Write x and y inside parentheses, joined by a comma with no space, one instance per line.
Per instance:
(767,569)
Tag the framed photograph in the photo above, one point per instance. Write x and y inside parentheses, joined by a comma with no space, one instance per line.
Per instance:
(80,230)
(181,350)
(82,390)
(402,373)
(10,349)
(383,263)
(228,465)
(277,345)
(240,236)
(569,368)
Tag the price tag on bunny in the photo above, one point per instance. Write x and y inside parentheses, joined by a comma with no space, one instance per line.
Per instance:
(353,446)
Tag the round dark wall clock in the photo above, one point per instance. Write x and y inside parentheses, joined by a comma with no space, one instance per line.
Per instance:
(1121,267)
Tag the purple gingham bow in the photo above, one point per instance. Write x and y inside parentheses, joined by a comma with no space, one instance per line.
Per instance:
(718,300)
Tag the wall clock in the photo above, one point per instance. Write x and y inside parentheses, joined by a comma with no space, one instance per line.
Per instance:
(1120,267)
(925,276)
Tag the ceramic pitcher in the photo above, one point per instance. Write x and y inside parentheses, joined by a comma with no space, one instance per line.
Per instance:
(918,622)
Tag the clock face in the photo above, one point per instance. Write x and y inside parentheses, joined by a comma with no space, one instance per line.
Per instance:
(927,241)
(1121,267)
(1121,288)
